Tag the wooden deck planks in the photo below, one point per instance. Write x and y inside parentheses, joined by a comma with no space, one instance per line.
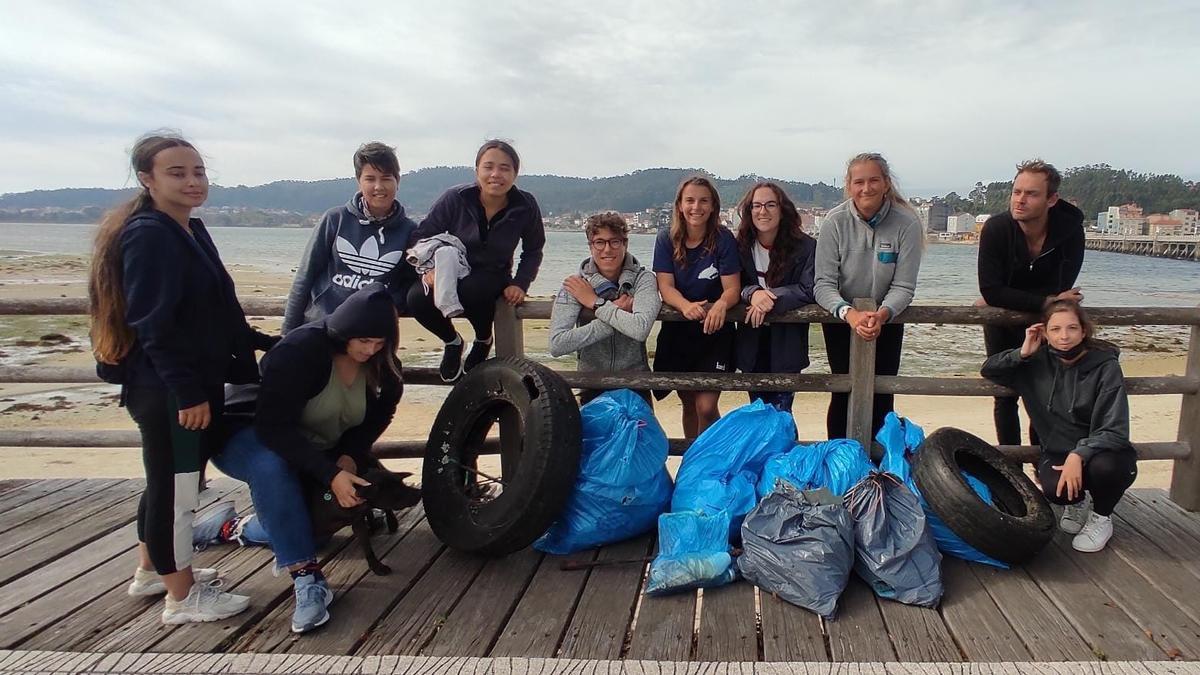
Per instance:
(918,633)
(858,633)
(790,633)
(537,625)
(665,627)
(1041,627)
(728,624)
(34,490)
(25,513)
(605,610)
(979,627)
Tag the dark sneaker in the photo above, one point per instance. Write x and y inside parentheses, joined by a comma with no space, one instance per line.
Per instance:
(479,354)
(452,362)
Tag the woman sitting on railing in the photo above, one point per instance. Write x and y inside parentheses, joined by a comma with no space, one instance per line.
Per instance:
(1076,395)
(167,326)
(489,217)
(329,389)
(869,247)
(777,276)
(697,266)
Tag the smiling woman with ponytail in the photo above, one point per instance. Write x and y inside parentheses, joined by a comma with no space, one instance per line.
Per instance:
(166,325)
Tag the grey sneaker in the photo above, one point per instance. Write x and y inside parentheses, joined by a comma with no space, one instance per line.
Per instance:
(206,527)
(205,602)
(147,582)
(1075,516)
(312,601)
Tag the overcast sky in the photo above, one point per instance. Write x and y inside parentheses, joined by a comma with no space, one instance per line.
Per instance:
(950,92)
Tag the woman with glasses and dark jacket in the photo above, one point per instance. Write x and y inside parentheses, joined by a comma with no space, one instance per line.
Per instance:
(777,276)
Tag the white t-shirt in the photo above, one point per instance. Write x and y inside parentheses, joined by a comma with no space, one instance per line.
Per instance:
(762,262)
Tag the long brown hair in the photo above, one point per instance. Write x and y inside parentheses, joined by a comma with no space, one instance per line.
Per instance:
(111,336)
(679,225)
(1053,307)
(787,241)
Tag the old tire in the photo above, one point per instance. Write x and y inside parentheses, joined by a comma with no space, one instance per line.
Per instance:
(540,446)
(1014,528)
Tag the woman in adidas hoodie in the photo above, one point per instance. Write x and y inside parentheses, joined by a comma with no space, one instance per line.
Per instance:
(1075,393)
(490,217)
(869,247)
(356,244)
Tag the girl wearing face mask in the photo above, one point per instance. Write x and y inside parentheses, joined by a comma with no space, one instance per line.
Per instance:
(1077,401)
(777,276)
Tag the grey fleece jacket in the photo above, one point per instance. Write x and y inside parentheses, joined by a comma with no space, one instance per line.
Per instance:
(616,340)
(1080,408)
(856,260)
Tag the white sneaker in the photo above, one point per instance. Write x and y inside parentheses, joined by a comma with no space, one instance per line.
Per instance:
(1075,516)
(205,602)
(147,582)
(1094,535)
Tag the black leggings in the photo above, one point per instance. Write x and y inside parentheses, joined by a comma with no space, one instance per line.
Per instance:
(887,362)
(1004,408)
(478,292)
(1107,475)
(173,457)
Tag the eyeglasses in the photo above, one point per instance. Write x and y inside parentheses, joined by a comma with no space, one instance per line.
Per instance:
(759,206)
(600,244)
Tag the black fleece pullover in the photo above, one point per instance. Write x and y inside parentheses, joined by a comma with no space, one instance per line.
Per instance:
(297,369)
(1080,408)
(1010,279)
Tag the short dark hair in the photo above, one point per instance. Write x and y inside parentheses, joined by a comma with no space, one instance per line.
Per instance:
(610,221)
(502,146)
(378,155)
(1053,177)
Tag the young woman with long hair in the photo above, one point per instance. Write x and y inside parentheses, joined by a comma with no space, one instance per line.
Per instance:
(777,276)
(697,266)
(1076,398)
(167,326)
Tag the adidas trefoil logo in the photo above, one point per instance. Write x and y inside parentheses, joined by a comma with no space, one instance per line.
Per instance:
(366,261)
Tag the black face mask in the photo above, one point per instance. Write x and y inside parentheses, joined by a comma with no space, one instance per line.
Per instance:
(1068,354)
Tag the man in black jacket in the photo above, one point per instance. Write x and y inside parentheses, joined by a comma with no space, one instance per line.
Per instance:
(1028,255)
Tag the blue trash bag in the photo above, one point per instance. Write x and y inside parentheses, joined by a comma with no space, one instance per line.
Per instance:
(836,464)
(693,552)
(623,484)
(720,470)
(894,551)
(900,439)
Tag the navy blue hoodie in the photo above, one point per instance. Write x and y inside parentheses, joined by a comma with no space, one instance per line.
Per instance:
(346,252)
(459,212)
(191,334)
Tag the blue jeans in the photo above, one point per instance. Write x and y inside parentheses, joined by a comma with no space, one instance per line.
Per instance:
(282,520)
(780,400)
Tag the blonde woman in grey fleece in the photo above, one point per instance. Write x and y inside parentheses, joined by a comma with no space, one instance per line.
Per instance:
(869,247)
(622,294)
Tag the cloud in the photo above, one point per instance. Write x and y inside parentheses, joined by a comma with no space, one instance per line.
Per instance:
(951,92)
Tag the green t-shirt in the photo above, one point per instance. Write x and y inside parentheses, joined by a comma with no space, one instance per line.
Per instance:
(337,408)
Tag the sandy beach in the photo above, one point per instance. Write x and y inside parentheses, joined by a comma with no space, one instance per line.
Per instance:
(47,340)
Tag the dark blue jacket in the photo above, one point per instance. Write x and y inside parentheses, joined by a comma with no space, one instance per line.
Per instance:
(789,341)
(459,212)
(191,333)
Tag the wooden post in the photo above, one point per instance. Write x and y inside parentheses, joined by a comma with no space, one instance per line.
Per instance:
(1185,476)
(862,382)
(510,335)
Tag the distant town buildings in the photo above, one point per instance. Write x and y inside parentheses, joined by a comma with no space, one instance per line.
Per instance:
(1129,220)
(933,214)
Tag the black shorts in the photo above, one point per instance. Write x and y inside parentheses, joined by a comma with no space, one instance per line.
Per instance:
(684,348)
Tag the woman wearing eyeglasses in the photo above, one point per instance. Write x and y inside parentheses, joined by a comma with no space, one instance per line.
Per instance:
(621,293)
(777,276)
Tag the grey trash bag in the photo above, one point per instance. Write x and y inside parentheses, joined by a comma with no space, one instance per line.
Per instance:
(894,549)
(799,546)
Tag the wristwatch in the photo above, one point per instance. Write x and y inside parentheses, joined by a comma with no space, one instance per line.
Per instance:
(600,302)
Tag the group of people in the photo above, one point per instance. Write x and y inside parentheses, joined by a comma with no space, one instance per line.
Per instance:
(167,326)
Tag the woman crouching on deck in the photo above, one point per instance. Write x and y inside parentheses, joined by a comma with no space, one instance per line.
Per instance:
(1076,395)
(329,389)
(166,325)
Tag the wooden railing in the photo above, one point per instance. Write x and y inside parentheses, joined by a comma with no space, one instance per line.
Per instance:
(861,382)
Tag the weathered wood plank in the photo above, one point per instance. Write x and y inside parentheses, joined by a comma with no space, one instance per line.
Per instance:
(545,609)
(360,597)
(7,484)
(1175,541)
(977,624)
(1185,475)
(862,382)
(1154,613)
(1160,503)
(728,625)
(1041,626)
(605,609)
(479,617)
(22,514)
(34,491)
(1106,628)
(918,633)
(421,612)
(790,633)
(664,628)
(859,633)
(1158,566)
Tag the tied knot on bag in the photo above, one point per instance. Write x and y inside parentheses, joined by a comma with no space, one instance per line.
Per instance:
(872,494)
